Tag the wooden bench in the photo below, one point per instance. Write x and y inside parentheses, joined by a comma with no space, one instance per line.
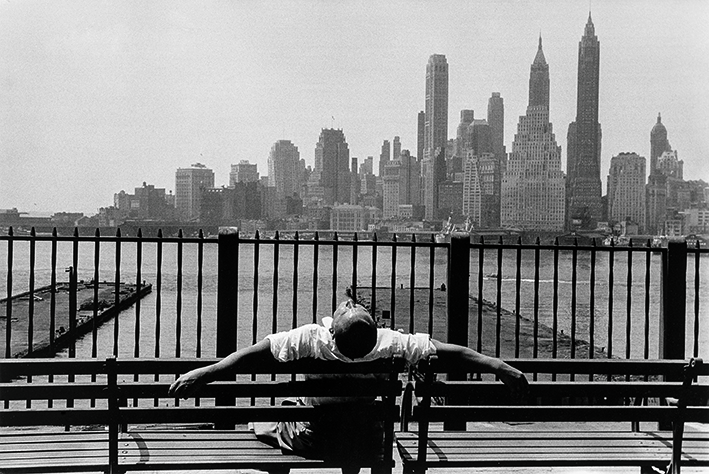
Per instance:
(115,415)
(537,432)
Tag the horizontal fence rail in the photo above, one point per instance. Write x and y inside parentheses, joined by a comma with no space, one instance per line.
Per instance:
(165,297)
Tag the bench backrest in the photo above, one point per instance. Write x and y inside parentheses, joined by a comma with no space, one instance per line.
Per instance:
(569,390)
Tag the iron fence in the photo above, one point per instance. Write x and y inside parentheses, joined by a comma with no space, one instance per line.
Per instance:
(209,295)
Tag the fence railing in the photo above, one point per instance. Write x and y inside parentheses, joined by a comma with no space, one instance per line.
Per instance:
(209,296)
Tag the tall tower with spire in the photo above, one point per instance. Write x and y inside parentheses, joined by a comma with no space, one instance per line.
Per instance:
(658,143)
(533,194)
(583,159)
(539,79)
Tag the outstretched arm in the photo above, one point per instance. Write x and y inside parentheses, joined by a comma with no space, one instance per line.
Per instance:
(467,360)
(187,384)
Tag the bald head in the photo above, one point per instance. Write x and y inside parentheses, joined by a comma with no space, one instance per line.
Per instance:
(354,330)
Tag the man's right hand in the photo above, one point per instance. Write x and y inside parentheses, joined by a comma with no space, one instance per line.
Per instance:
(187,384)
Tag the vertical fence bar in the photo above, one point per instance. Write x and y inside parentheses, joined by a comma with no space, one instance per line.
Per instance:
(178,301)
(138,289)
(334,272)
(697,258)
(674,300)
(117,291)
(354,267)
(481,276)
(646,339)
(8,306)
(498,327)
(535,349)
(393,283)
(254,301)
(53,295)
(592,305)
(158,295)
(274,300)
(200,290)
(431,262)
(30,308)
(375,247)
(574,281)
(316,262)
(97,276)
(412,284)
(611,261)
(457,303)
(296,258)
(72,294)
(555,304)
(628,303)
(518,290)
(158,301)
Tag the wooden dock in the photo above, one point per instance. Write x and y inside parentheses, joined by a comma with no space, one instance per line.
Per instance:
(43,335)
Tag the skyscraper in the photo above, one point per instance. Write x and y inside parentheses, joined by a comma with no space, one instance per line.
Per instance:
(284,169)
(190,183)
(396,148)
(583,158)
(333,153)
(533,184)
(435,130)
(657,182)
(384,156)
(658,143)
(496,120)
(626,189)
(420,127)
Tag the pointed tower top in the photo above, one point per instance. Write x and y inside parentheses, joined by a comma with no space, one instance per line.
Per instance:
(659,118)
(539,58)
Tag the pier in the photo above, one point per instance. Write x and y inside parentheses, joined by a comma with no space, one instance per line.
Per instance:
(47,320)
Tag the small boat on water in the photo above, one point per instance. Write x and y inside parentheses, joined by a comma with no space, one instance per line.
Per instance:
(445,234)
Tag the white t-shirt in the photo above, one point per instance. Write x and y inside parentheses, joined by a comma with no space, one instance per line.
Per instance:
(314,340)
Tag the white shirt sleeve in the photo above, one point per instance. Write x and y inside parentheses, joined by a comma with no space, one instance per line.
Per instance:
(412,347)
(304,341)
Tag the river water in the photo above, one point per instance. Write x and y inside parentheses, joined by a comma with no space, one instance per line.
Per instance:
(266,296)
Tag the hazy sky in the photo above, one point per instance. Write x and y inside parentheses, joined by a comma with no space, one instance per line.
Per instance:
(99,96)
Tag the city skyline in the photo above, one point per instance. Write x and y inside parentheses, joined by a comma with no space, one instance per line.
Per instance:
(96,99)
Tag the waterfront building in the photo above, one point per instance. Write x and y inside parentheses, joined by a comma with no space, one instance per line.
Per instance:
(661,178)
(367,166)
(245,200)
(332,161)
(450,200)
(496,120)
(384,156)
(401,180)
(626,189)
(396,148)
(284,169)
(583,159)
(658,143)
(146,203)
(189,184)
(243,172)
(435,131)
(353,218)
(472,191)
(462,136)
(420,128)
(533,185)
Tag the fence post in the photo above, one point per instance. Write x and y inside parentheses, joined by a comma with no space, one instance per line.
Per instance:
(227,304)
(457,303)
(227,277)
(674,300)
